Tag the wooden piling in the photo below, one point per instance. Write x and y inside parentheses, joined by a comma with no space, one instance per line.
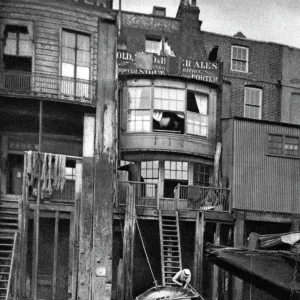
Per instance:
(128,243)
(198,252)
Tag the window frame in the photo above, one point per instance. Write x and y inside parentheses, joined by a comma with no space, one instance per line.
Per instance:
(257,89)
(238,59)
(197,114)
(150,109)
(81,87)
(284,139)
(157,39)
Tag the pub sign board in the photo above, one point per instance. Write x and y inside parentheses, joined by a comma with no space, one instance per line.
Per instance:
(145,63)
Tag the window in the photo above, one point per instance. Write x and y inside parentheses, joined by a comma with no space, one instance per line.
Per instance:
(197,113)
(75,63)
(17,56)
(202,174)
(153,45)
(139,104)
(295,108)
(174,109)
(168,109)
(239,58)
(149,172)
(283,145)
(252,102)
(176,172)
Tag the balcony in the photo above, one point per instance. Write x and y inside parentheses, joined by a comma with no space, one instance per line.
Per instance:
(187,197)
(48,87)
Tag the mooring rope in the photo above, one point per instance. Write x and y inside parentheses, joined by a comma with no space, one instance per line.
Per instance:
(148,261)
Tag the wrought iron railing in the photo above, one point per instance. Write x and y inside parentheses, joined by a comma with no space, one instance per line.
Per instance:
(193,197)
(49,85)
(145,193)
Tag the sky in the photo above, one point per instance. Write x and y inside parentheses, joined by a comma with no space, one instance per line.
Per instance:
(275,21)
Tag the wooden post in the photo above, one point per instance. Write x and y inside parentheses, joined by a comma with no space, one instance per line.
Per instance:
(86,230)
(36,226)
(216,268)
(104,162)
(128,243)
(253,241)
(198,252)
(54,278)
(295,223)
(74,230)
(217,163)
(4,175)
(239,232)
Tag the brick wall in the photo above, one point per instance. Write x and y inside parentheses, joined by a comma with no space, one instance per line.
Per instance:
(265,70)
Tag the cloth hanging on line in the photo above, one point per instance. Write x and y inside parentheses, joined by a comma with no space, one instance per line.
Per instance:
(53,172)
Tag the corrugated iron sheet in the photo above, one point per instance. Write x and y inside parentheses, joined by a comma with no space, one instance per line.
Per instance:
(263,182)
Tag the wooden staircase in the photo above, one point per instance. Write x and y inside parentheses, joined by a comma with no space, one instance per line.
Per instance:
(9,226)
(170,245)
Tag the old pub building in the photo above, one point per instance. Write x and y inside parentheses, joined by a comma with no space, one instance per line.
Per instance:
(128,141)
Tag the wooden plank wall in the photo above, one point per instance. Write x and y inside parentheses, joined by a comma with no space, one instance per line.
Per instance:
(49,19)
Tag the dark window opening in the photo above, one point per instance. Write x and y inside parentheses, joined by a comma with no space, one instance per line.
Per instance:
(191,102)
(202,174)
(170,185)
(168,121)
(283,145)
(17,57)
(15,164)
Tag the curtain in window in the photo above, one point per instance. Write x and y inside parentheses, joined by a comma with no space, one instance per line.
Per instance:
(201,101)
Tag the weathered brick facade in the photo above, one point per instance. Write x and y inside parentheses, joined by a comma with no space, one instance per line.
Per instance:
(186,39)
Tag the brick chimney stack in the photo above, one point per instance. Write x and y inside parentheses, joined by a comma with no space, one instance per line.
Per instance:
(189,15)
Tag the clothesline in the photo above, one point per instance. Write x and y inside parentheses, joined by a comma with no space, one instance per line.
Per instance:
(53,171)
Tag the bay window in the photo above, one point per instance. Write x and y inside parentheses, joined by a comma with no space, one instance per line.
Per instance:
(167,107)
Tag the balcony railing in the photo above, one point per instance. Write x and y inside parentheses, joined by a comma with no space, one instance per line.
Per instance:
(145,193)
(49,86)
(187,197)
(67,195)
(193,197)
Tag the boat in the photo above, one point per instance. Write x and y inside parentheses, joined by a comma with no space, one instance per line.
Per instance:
(168,293)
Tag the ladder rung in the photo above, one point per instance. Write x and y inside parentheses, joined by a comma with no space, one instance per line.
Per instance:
(6,237)
(170,236)
(4,273)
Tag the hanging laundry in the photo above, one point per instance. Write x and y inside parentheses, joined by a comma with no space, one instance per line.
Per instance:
(52,174)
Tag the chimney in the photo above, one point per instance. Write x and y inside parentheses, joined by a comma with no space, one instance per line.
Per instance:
(189,15)
(159,11)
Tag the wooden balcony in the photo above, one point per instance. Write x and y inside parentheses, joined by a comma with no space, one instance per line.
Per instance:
(66,196)
(187,197)
(48,87)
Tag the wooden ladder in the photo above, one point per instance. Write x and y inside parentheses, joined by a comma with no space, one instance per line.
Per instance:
(170,246)
(9,226)
(7,253)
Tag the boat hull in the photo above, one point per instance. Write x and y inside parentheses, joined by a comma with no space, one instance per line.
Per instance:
(167,293)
